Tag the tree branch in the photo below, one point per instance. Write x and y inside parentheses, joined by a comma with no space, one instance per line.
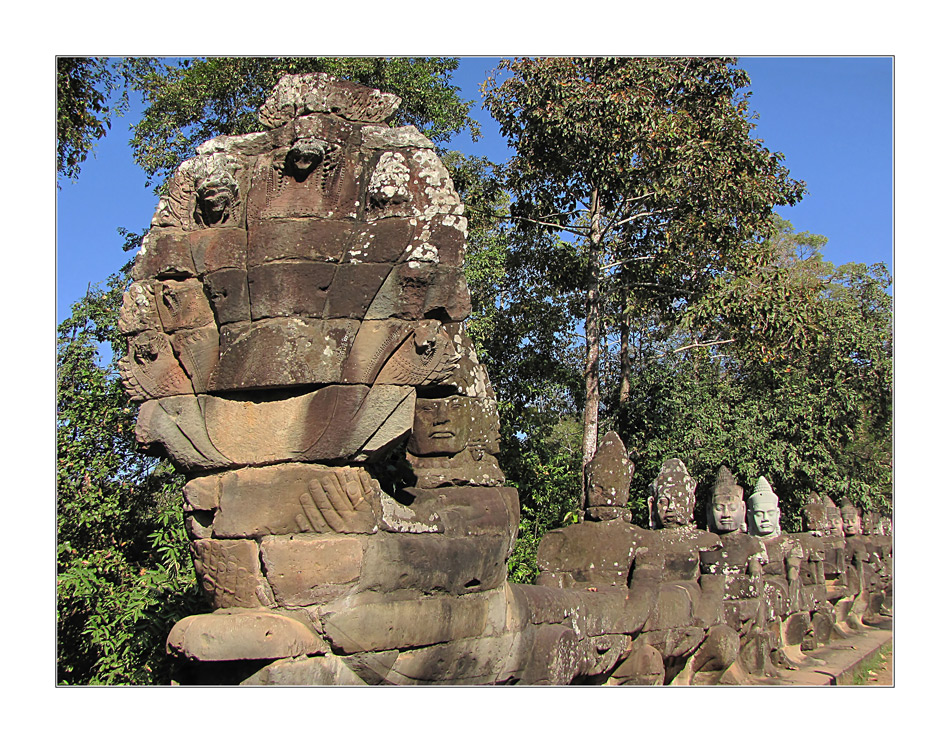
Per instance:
(700,345)
(560,227)
(640,215)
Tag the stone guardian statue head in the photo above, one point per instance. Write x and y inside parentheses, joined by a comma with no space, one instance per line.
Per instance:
(850,518)
(672,496)
(725,511)
(764,513)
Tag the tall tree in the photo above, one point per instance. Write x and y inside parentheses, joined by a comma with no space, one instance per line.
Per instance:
(647,163)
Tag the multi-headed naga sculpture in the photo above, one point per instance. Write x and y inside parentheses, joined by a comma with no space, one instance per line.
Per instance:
(296,338)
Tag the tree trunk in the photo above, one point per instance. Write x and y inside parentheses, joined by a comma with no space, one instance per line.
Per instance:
(624,347)
(592,333)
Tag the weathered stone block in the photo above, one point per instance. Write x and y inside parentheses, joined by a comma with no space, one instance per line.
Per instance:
(176,425)
(229,572)
(299,95)
(674,606)
(164,254)
(609,473)
(139,312)
(608,513)
(718,651)
(795,627)
(384,241)
(289,288)
(590,552)
(227,289)
(328,424)
(447,298)
(242,635)
(328,189)
(400,352)
(151,369)
(471,661)
(354,288)
(403,293)
(386,138)
(554,658)
(214,250)
(306,569)
(320,671)
(202,493)
(283,352)
(182,305)
(371,622)
(315,240)
(465,511)
(435,563)
(678,642)
(643,667)
(448,234)
(295,498)
(197,351)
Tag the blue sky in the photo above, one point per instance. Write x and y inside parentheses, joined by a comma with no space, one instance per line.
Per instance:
(832,117)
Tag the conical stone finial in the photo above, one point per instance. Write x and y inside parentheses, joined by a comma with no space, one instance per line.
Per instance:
(610,473)
(726,484)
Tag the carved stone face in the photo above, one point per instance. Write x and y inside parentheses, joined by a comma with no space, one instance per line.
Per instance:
(850,521)
(672,508)
(673,496)
(835,523)
(441,426)
(764,519)
(216,194)
(816,519)
(390,180)
(304,156)
(727,512)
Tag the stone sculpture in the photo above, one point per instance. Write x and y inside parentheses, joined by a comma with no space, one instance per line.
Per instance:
(741,559)
(726,510)
(295,320)
(296,339)
(785,553)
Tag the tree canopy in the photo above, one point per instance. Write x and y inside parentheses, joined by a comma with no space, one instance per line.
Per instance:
(647,166)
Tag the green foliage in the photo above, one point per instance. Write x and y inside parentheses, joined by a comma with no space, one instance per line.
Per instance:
(545,467)
(124,575)
(86,104)
(647,168)
(523,334)
(797,385)
(204,97)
